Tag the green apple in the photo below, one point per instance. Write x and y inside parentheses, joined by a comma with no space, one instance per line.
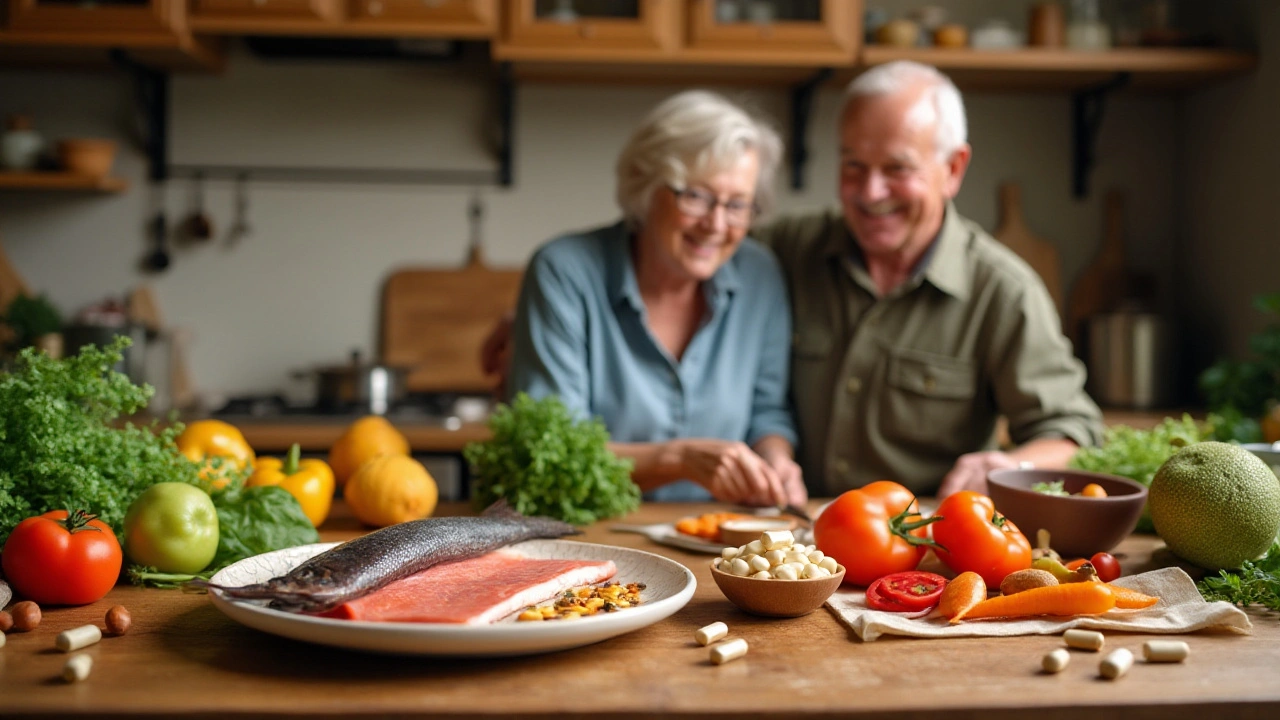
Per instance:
(172,527)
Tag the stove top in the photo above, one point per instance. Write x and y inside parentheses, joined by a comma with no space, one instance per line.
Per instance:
(444,409)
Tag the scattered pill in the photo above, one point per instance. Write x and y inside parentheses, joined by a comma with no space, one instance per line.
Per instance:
(711,633)
(1165,651)
(1084,639)
(771,539)
(77,667)
(1055,661)
(732,650)
(1116,664)
(77,638)
(3,639)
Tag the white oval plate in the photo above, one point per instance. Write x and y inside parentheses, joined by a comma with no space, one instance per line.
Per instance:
(668,587)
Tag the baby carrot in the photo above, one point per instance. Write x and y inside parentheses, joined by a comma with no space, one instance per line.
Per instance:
(961,595)
(1126,598)
(1082,598)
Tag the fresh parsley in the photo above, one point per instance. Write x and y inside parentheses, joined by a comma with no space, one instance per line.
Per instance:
(1050,488)
(1257,582)
(543,461)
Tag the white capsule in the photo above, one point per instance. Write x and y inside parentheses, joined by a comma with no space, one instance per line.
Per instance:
(759,563)
(738,566)
(829,563)
(815,556)
(730,553)
(77,638)
(1055,661)
(797,557)
(1116,664)
(1165,651)
(755,547)
(816,571)
(1084,639)
(772,539)
(77,667)
(2,639)
(785,572)
(726,651)
(711,633)
(763,575)
(776,557)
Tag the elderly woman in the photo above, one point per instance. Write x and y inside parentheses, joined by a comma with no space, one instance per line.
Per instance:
(670,325)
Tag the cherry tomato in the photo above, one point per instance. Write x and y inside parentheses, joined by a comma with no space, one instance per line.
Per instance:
(1107,566)
(975,537)
(61,558)
(873,531)
(914,589)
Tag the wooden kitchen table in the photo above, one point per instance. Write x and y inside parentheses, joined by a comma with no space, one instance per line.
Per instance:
(184,657)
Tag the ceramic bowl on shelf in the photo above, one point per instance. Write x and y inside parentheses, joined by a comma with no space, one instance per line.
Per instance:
(776,598)
(1078,526)
(87,156)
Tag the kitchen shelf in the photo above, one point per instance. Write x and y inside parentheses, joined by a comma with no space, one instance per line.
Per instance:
(60,181)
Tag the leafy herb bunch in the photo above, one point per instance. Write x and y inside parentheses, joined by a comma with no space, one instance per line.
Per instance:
(543,461)
(1240,390)
(1257,582)
(59,448)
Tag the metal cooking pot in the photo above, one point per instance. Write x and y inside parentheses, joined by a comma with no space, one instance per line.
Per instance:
(1131,360)
(367,387)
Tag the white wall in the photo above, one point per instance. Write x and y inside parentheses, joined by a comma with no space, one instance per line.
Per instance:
(303,288)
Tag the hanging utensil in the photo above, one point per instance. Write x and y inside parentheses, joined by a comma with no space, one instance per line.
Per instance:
(158,259)
(198,225)
(240,223)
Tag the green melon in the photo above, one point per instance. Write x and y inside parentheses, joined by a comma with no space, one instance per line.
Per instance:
(1216,505)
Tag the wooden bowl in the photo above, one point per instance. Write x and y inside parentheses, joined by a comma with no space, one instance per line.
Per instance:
(776,598)
(1078,526)
(87,156)
(743,530)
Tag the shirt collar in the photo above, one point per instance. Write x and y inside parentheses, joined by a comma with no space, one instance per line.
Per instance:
(943,264)
(621,271)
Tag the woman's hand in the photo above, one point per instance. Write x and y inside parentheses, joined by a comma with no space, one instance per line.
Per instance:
(732,472)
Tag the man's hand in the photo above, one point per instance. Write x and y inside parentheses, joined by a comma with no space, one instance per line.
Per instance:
(495,354)
(970,472)
(733,472)
(778,456)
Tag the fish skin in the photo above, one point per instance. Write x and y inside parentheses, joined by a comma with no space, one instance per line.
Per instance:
(360,566)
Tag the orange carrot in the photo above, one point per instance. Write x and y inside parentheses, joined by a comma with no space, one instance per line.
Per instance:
(1081,598)
(1126,598)
(961,595)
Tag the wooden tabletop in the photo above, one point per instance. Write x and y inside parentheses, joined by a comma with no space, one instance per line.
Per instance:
(183,657)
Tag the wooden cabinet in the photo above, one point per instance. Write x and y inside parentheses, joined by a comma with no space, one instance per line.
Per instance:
(130,21)
(644,30)
(403,18)
(818,32)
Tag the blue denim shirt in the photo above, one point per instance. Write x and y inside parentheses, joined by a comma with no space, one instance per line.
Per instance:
(581,333)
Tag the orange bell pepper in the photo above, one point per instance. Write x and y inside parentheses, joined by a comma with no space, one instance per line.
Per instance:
(204,440)
(310,481)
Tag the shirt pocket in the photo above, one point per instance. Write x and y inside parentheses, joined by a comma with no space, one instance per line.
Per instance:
(929,400)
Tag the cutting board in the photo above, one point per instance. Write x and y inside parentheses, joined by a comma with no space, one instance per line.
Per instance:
(436,320)
(11,284)
(1038,253)
(1102,285)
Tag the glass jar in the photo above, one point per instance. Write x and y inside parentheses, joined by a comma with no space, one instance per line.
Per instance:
(1087,30)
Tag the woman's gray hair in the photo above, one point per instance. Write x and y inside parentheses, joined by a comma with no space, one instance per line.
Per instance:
(900,75)
(692,134)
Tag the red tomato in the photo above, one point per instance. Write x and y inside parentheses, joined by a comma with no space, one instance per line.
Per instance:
(872,531)
(877,600)
(1107,566)
(914,589)
(975,537)
(61,559)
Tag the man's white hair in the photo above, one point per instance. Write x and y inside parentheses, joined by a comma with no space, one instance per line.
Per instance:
(690,135)
(901,75)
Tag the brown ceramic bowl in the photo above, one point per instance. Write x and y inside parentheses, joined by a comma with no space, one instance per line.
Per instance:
(87,156)
(776,598)
(1078,526)
(739,532)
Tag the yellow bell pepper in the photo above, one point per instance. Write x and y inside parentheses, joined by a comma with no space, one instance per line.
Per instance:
(310,481)
(204,440)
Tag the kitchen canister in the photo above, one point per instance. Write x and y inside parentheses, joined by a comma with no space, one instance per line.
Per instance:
(1131,360)
(20,145)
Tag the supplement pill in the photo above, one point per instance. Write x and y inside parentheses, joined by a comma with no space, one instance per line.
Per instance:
(3,639)
(774,539)
(1084,639)
(732,650)
(1116,664)
(1055,661)
(711,633)
(1165,651)
(76,638)
(77,668)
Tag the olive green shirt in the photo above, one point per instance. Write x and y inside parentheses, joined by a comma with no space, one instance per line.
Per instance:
(898,387)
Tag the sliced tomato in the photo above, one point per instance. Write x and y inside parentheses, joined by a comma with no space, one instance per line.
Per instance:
(876,600)
(914,589)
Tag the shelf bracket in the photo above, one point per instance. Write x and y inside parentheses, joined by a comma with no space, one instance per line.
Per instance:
(801,111)
(506,124)
(151,88)
(1087,107)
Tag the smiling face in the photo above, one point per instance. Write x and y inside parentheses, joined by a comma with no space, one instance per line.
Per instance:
(676,246)
(893,187)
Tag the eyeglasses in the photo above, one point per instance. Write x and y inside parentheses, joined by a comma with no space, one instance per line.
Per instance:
(700,203)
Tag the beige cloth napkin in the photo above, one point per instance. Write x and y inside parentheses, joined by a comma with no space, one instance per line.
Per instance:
(1181,609)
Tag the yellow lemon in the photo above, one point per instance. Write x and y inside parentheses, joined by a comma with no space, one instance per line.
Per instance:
(364,440)
(391,489)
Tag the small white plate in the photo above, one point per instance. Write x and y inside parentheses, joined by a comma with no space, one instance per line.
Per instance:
(668,587)
(667,534)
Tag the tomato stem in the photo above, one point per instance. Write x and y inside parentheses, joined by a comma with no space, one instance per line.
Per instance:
(79,520)
(899,525)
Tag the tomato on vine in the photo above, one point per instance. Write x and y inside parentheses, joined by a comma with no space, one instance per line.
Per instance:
(974,537)
(873,531)
(62,558)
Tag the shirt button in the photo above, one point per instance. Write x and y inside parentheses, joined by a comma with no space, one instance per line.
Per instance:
(842,466)
(930,383)
(853,385)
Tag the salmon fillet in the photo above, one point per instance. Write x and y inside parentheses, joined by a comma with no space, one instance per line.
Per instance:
(477,591)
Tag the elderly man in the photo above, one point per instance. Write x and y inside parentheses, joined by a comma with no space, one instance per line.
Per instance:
(914,328)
